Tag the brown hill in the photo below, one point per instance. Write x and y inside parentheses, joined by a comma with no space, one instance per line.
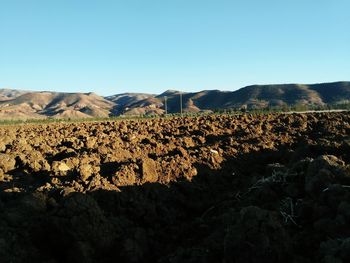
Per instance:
(259,96)
(125,104)
(56,105)
(255,96)
(21,104)
(332,93)
(7,94)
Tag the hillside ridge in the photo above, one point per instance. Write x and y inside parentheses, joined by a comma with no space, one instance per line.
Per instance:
(43,104)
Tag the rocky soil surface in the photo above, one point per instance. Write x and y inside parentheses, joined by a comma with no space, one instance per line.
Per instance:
(248,188)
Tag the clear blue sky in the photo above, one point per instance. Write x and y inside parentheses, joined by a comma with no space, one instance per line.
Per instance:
(115,46)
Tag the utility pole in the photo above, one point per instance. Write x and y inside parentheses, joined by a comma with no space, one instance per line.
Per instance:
(181,103)
(165,105)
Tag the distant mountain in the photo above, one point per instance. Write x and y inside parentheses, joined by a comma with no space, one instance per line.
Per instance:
(255,96)
(7,94)
(125,102)
(332,93)
(55,104)
(28,104)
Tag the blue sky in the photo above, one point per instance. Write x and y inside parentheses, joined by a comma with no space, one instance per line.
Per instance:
(114,46)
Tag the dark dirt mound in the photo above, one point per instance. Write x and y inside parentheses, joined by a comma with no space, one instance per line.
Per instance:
(266,188)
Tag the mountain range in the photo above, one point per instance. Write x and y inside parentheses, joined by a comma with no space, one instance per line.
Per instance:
(21,104)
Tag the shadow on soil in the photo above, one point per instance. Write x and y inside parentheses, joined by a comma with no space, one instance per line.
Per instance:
(267,206)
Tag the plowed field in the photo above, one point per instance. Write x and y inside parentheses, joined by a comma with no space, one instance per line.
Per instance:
(247,188)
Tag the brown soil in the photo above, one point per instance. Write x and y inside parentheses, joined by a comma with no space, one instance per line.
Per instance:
(266,188)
